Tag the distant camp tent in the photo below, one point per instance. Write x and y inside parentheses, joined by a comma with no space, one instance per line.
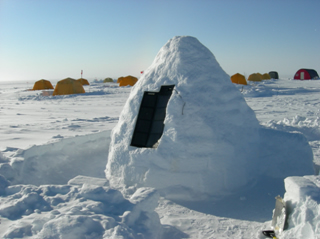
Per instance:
(306,74)
(254,77)
(128,80)
(238,79)
(68,86)
(107,80)
(119,79)
(266,76)
(42,85)
(83,81)
(274,75)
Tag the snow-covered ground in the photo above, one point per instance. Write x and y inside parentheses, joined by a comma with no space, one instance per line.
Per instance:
(54,152)
(62,137)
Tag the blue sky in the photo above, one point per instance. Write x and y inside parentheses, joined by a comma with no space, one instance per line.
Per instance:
(55,39)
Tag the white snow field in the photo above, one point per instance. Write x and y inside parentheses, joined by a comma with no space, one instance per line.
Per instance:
(67,169)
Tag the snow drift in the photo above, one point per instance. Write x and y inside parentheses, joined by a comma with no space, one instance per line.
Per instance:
(79,211)
(211,143)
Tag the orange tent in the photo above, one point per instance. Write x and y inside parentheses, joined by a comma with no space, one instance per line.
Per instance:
(119,79)
(254,77)
(42,85)
(128,80)
(83,81)
(68,86)
(238,79)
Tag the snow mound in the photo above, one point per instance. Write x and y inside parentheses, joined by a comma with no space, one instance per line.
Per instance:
(302,201)
(87,211)
(212,143)
(268,88)
(208,127)
(309,127)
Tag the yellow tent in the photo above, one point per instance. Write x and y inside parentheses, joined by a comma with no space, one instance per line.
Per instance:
(83,81)
(68,86)
(260,75)
(108,80)
(254,77)
(238,79)
(128,80)
(266,76)
(42,85)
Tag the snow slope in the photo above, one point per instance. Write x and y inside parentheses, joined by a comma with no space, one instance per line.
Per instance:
(54,151)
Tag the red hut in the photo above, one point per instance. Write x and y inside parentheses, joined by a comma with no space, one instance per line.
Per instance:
(306,74)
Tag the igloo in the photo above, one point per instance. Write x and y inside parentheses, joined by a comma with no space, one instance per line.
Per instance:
(208,145)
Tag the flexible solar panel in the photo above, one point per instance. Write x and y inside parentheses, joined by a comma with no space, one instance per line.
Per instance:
(149,126)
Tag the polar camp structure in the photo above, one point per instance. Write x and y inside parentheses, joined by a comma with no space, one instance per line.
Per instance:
(274,74)
(184,93)
(68,86)
(42,85)
(306,74)
(128,80)
(185,129)
(108,79)
(260,75)
(238,79)
(83,81)
(255,77)
(265,76)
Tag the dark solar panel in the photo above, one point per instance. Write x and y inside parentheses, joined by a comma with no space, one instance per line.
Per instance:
(149,126)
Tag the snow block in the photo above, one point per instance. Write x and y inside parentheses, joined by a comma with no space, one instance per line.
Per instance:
(59,162)
(299,188)
(302,201)
(80,180)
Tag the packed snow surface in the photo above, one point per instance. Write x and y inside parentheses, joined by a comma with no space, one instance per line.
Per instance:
(54,151)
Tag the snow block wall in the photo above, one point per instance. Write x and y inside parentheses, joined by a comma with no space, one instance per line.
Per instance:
(302,202)
(58,162)
(210,138)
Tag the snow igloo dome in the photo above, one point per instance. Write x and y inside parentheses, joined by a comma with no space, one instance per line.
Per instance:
(208,141)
